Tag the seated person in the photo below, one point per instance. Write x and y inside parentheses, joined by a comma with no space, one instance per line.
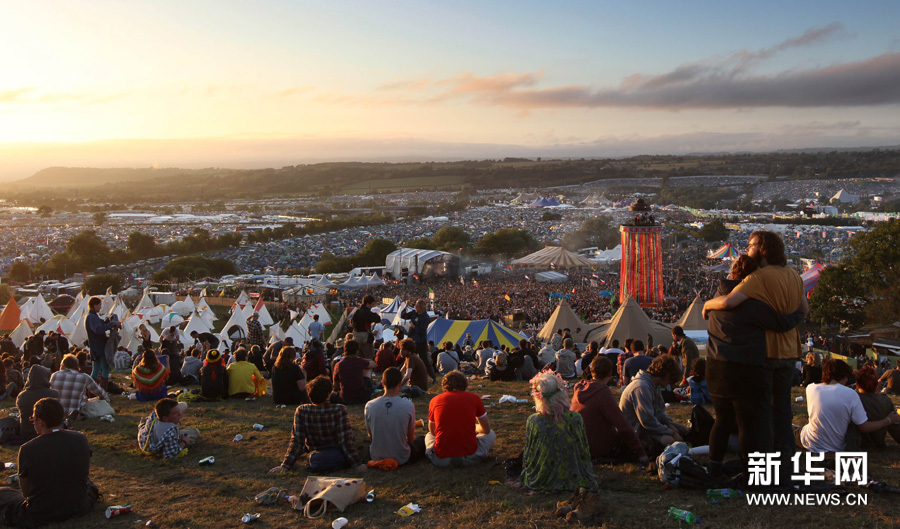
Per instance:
(878,406)
(499,369)
(697,383)
(351,380)
(73,385)
(54,473)
(150,377)
(415,374)
(565,360)
(244,379)
(484,354)
(832,408)
(37,387)
(609,434)
(636,363)
(122,360)
(891,381)
(190,368)
(459,433)
(556,456)
(288,379)
(812,370)
(160,432)
(213,377)
(313,362)
(644,407)
(447,361)
(391,423)
(385,357)
(255,357)
(323,430)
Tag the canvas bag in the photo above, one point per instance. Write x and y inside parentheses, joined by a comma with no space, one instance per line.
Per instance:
(324,493)
(96,408)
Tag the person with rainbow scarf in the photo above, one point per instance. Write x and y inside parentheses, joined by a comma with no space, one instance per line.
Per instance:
(150,377)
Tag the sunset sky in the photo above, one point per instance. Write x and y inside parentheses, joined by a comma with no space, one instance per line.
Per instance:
(273,83)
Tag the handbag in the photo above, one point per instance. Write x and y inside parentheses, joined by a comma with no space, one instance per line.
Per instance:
(320,494)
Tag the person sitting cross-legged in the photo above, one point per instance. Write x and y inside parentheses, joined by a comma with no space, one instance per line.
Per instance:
(323,430)
(391,423)
(73,385)
(556,456)
(53,473)
(459,433)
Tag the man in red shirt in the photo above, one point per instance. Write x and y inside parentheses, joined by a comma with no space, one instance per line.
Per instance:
(459,433)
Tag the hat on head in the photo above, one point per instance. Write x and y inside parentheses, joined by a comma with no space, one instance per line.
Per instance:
(213,356)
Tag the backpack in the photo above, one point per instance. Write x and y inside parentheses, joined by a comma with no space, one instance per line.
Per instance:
(701,426)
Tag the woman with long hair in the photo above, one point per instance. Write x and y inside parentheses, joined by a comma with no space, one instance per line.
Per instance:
(150,377)
(288,379)
(557,455)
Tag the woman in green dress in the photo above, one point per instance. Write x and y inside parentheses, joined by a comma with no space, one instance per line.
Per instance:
(557,456)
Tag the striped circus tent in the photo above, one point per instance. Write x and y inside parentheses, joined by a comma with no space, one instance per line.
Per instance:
(811,277)
(727,251)
(556,256)
(443,330)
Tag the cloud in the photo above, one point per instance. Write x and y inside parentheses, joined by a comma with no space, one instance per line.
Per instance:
(15,96)
(30,95)
(294,91)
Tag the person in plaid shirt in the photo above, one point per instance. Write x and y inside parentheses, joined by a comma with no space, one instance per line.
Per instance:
(71,385)
(255,331)
(323,429)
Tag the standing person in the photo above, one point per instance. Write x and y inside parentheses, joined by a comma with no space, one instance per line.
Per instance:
(363,319)
(687,349)
(782,288)
(255,331)
(391,423)
(419,321)
(316,329)
(54,471)
(556,455)
(459,432)
(96,331)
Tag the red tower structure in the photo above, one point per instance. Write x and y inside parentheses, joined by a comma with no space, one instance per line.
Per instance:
(641,270)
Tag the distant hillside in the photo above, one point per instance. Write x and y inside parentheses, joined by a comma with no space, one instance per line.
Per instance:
(89,176)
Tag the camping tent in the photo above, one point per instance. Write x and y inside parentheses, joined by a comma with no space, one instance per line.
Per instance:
(564,318)
(265,319)
(391,310)
(325,282)
(553,256)
(692,319)
(727,251)
(11,315)
(443,330)
(21,333)
(38,311)
(631,322)
(550,277)
(58,323)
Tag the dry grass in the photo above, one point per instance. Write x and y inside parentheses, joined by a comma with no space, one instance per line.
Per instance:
(183,494)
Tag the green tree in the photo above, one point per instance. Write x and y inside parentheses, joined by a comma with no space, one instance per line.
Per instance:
(508,242)
(195,267)
(600,231)
(99,218)
(44,211)
(89,248)
(141,245)
(838,298)
(450,239)
(5,296)
(422,243)
(714,231)
(876,254)
(98,283)
(20,271)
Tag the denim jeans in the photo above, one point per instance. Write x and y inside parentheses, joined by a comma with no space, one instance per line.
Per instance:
(776,424)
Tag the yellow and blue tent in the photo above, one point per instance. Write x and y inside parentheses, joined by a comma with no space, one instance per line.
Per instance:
(443,330)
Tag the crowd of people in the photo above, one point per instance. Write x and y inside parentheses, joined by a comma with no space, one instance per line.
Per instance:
(747,375)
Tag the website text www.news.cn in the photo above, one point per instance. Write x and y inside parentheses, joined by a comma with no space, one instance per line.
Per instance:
(801,499)
(849,467)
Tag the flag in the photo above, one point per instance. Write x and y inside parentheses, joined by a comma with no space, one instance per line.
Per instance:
(553,265)
(573,290)
(509,267)
(430,291)
(475,282)
(462,281)
(222,293)
(595,276)
(416,276)
(527,278)
(506,297)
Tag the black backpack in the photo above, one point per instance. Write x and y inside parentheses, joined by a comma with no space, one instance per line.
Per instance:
(701,426)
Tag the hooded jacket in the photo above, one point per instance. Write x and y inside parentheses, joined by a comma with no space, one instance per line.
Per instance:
(644,407)
(609,433)
(37,387)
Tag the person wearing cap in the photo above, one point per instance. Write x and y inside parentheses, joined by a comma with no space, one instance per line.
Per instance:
(160,432)
(213,377)
(54,471)
(255,331)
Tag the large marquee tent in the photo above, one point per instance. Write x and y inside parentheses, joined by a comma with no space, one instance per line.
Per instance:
(554,256)
(443,330)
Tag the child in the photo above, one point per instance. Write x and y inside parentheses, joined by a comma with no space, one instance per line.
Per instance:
(697,382)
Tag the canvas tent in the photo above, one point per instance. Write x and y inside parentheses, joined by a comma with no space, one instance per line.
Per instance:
(555,256)
(38,311)
(21,333)
(525,198)
(726,251)
(844,197)
(631,322)
(564,318)
(427,264)
(443,330)
(692,319)
(11,315)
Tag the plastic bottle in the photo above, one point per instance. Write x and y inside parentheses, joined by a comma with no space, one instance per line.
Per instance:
(684,516)
(722,493)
